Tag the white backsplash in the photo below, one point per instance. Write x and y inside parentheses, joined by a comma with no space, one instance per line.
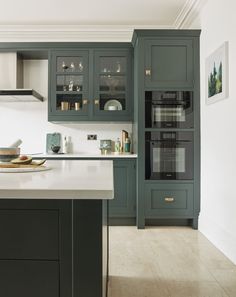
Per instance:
(28,121)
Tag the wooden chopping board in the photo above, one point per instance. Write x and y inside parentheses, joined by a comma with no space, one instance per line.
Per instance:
(8,167)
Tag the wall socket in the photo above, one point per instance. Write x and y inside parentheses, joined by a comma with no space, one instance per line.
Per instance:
(92,137)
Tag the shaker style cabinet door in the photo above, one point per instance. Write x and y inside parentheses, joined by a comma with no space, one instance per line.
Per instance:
(123,204)
(112,85)
(168,63)
(69,85)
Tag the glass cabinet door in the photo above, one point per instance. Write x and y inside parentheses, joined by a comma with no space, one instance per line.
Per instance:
(111,87)
(70,83)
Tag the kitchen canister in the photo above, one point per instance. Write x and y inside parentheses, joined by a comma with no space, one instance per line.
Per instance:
(127,145)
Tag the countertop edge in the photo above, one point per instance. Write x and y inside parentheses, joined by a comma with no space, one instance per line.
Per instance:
(84,156)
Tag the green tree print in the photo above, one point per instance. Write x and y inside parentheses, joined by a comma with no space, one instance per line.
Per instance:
(215,81)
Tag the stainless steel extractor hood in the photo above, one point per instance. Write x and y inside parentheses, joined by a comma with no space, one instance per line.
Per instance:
(11,80)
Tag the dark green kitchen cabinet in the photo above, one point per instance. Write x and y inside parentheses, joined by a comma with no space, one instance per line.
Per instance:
(53,248)
(69,83)
(124,203)
(168,63)
(91,84)
(112,84)
(35,249)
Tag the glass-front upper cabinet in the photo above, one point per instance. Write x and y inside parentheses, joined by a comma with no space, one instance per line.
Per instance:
(112,84)
(69,83)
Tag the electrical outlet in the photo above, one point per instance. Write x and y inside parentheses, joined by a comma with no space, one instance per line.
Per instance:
(92,137)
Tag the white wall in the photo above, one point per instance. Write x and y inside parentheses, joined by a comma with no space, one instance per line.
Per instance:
(28,121)
(218,133)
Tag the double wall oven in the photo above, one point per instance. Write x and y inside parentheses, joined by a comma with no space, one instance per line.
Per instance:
(168,152)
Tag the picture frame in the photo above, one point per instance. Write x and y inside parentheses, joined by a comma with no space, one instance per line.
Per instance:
(217,82)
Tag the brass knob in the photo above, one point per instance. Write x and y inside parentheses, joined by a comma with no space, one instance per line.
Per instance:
(96,102)
(148,72)
(169,199)
(85,101)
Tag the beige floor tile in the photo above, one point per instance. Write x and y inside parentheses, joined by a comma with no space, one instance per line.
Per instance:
(211,257)
(227,280)
(168,262)
(196,289)
(136,287)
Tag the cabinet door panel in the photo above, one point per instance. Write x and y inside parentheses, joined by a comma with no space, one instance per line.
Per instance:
(29,278)
(170,63)
(29,234)
(124,201)
(69,85)
(112,85)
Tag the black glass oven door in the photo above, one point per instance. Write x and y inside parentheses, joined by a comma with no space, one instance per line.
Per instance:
(169,109)
(171,159)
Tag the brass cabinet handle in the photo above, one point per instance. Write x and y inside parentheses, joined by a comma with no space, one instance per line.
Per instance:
(96,101)
(85,101)
(148,72)
(169,199)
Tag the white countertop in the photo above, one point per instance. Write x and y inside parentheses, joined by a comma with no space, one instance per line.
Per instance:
(68,179)
(86,155)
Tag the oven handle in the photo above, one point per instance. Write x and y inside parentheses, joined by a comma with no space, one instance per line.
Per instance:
(169,141)
(155,103)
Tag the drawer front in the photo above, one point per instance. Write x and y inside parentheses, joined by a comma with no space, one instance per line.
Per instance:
(29,278)
(29,234)
(169,200)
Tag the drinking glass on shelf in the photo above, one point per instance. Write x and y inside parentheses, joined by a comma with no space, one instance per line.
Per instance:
(80,66)
(71,86)
(118,67)
(64,66)
(72,67)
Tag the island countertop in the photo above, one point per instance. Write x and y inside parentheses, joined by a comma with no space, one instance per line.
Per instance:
(68,179)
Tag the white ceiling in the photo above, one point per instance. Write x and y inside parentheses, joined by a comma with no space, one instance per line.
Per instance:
(161,13)
(90,20)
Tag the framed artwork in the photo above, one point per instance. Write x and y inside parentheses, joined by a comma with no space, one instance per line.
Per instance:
(217,83)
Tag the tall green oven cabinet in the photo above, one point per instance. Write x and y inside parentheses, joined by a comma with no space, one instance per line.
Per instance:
(167,126)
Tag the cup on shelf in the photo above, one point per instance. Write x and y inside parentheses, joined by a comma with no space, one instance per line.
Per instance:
(64,105)
(77,106)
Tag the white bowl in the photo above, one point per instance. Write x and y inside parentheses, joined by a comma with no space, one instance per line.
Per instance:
(112,107)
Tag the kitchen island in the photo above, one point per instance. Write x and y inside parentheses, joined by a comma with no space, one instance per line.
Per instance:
(54,231)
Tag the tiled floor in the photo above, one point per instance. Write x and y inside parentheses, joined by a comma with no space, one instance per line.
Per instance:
(167,262)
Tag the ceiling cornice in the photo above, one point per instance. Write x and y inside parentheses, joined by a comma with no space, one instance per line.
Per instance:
(82,33)
(70,33)
(188,13)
